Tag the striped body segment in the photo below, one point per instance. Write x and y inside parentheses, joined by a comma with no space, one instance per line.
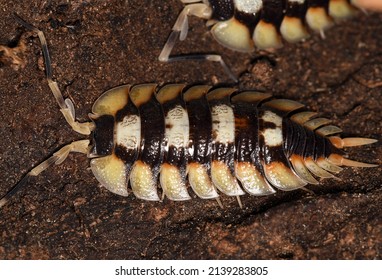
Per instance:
(242,25)
(215,141)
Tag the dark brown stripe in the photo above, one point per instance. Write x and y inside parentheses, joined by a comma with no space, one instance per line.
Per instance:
(127,155)
(246,131)
(295,9)
(246,134)
(152,133)
(103,136)
(273,11)
(200,143)
(319,149)
(222,9)
(249,20)
(318,3)
(294,138)
(310,142)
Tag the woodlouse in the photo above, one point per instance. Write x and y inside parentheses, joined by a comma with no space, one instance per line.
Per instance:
(223,140)
(242,25)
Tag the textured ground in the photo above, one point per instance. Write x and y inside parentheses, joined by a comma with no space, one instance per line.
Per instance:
(96,45)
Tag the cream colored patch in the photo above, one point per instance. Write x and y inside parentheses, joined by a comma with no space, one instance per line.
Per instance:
(172,183)
(340,9)
(128,132)
(269,116)
(325,164)
(142,182)
(297,1)
(328,130)
(200,181)
(251,180)
(302,117)
(316,170)
(282,177)
(111,173)
(266,36)
(315,123)
(250,96)
(284,105)
(195,92)
(141,94)
(233,34)
(111,101)
(293,30)
(223,124)
(169,92)
(248,6)
(223,179)
(300,169)
(273,136)
(317,19)
(177,130)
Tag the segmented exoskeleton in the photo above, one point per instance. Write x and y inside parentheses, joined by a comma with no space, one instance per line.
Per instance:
(242,25)
(222,140)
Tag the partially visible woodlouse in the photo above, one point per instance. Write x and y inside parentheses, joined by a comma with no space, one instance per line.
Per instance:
(222,140)
(242,25)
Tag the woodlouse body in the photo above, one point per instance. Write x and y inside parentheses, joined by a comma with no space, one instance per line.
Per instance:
(222,140)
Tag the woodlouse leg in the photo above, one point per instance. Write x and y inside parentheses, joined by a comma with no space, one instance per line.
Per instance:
(219,201)
(180,30)
(66,106)
(239,202)
(58,157)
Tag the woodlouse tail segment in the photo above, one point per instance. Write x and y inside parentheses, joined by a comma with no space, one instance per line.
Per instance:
(66,106)
(314,151)
(350,142)
(58,157)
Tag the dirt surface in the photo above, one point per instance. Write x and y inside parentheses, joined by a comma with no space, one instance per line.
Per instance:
(97,45)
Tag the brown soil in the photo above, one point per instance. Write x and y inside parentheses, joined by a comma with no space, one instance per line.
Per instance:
(97,45)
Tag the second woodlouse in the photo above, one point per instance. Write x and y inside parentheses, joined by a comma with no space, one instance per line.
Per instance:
(243,25)
(222,140)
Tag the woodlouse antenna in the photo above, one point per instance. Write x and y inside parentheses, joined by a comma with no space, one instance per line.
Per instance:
(58,157)
(66,106)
